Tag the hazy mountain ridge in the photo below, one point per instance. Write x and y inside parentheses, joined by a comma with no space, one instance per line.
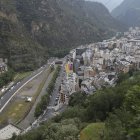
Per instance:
(128,12)
(32,30)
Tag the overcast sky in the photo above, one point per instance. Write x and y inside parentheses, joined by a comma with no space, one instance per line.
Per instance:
(110,4)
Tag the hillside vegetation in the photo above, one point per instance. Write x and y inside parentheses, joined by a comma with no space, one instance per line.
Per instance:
(109,114)
(93,131)
(15,43)
(33,30)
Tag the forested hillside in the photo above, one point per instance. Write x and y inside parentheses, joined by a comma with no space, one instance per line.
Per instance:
(128,12)
(15,43)
(33,30)
(109,114)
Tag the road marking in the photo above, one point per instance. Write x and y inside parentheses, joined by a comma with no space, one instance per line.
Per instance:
(19,90)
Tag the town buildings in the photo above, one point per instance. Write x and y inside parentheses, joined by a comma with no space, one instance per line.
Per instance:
(3,65)
(97,65)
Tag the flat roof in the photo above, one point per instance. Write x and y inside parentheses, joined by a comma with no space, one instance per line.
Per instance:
(8,131)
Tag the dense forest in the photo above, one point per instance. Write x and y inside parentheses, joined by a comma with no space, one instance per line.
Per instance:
(117,107)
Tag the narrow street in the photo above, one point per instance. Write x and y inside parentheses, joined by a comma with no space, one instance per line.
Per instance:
(49,113)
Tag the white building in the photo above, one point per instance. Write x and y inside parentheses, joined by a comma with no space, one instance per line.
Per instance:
(8,131)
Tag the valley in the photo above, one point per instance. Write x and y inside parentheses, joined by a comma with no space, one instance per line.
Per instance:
(69,70)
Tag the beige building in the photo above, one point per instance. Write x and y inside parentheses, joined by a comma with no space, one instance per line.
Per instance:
(89,72)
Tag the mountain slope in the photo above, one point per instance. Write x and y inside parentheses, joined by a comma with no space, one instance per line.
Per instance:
(15,43)
(67,23)
(128,12)
(32,30)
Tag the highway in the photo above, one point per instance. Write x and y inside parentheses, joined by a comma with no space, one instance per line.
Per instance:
(9,94)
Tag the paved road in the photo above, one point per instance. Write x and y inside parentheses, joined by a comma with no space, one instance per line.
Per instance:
(8,95)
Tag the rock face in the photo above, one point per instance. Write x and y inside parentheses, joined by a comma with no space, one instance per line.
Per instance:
(128,12)
(33,30)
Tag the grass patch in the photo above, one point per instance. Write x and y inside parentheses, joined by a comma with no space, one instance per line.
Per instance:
(43,82)
(20,76)
(14,111)
(18,109)
(93,131)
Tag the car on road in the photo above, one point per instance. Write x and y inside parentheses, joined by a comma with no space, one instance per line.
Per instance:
(56,103)
(18,83)
(3,90)
(56,99)
(12,87)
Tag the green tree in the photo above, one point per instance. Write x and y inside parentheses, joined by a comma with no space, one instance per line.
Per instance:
(114,129)
(65,130)
(102,103)
(132,99)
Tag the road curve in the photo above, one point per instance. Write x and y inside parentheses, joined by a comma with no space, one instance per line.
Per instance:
(6,98)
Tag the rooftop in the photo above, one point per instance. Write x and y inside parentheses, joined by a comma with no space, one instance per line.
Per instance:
(8,131)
